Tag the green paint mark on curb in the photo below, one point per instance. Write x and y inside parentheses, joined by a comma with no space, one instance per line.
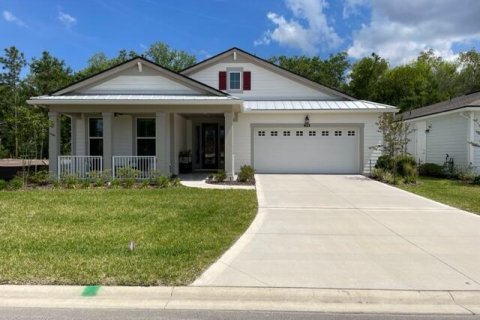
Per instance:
(90,291)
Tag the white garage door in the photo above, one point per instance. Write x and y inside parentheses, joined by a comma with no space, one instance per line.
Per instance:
(306,150)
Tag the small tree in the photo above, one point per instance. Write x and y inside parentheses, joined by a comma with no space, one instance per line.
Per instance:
(395,139)
(395,135)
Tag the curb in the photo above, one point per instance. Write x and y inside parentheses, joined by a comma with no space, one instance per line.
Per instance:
(252,299)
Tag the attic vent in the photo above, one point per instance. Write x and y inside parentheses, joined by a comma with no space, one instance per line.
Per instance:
(139,64)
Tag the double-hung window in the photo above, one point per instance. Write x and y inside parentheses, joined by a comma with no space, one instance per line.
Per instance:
(146,136)
(95,136)
(234,80)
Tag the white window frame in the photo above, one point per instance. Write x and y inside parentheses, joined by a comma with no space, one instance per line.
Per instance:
(93,138)
(240,72)
(144,138)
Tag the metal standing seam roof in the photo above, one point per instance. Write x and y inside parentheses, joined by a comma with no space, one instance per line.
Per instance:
(132,97)
(262,105)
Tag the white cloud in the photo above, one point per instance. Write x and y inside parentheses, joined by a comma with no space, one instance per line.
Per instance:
(400,29)
(67,19)
(308,30)
(10,17)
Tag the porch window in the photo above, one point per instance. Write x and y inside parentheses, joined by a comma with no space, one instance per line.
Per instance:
(95,136)
(145,136)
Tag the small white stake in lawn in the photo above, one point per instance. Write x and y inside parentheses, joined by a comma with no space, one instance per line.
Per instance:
(131,245)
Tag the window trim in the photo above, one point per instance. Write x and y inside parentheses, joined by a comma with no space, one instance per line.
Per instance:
(144,138)
(91,138)
(240,72)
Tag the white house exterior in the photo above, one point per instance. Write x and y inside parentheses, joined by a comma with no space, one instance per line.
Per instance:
(446,128)
(230,110)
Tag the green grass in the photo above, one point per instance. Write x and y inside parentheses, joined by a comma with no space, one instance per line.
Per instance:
(450,192)
(81,236)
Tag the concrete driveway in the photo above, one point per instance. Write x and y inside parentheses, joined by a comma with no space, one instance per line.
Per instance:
(334,231)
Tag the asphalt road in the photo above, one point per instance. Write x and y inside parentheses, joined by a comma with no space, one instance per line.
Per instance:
(122,314)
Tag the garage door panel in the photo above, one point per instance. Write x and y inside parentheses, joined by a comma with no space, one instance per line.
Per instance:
(307,153)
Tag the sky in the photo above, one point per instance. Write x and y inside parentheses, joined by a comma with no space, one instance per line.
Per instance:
(395,29)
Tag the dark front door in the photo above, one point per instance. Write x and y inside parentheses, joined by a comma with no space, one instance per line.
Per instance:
(210,146)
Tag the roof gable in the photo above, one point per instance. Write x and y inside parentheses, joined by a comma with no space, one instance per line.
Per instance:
(138,76)
(236,55)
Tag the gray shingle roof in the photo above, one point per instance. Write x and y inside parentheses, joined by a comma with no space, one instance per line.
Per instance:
(468,100)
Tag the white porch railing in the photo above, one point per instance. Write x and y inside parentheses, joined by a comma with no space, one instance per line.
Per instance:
(137,167)
(79,166)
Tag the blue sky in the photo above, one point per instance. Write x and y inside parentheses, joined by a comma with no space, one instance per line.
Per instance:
(397,30)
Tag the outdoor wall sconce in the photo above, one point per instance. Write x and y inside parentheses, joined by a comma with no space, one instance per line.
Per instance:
(428,129)
(306,124)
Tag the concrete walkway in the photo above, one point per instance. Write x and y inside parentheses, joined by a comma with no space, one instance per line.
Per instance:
(332,231)
(198,180)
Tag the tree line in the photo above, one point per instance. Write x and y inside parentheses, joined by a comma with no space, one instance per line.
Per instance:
(427,79)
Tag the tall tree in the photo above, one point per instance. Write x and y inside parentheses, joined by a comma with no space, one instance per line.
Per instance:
(330,72)
(12,63)
(365,76)
(48,74)
(99,62)
(469,71)
(167,57)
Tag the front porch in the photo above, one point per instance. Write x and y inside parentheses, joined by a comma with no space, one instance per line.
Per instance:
(147,143)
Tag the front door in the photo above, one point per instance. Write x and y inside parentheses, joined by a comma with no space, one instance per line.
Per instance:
(210,145)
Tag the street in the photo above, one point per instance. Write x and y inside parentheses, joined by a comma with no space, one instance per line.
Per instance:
(122,314)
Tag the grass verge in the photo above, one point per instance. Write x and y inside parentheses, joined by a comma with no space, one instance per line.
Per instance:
(451,192)
(81,236)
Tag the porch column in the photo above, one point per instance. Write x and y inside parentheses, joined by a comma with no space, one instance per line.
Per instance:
(162,147)
(107,140)
(229,158)
(53,142)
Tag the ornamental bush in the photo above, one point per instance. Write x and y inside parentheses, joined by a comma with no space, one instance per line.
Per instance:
(431,170)
(246,174)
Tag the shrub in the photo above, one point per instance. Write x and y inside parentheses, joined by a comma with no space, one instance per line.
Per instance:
(41,178)
(385,163)
(431,170)
(383,175)
(128,173)
(406,168)
(160,181)
(129,183)
(100,178)
(15,184)
(246,174)
(69,181)
(220,176)
(175,182)
(116,183)
(475,181)
(466,174)
(85,184)
(3,184)
(144,184)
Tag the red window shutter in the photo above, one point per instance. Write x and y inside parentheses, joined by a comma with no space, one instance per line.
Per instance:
(222,80)
(247,80)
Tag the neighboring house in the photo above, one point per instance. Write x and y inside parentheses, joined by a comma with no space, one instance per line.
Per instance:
(446,128)
(230,110)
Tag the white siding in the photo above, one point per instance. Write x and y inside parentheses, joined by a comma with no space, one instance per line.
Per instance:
(131,81)
(265,83)
(243,141)
(417,141)
(447,135)
(123,135)
(80,136)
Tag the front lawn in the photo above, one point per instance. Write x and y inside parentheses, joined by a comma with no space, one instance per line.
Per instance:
(82,236)
(451,192)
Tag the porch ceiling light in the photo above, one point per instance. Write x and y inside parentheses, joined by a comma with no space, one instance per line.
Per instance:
(306,124)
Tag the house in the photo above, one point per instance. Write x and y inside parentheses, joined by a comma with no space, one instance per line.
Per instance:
(230,110)
(446,128)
